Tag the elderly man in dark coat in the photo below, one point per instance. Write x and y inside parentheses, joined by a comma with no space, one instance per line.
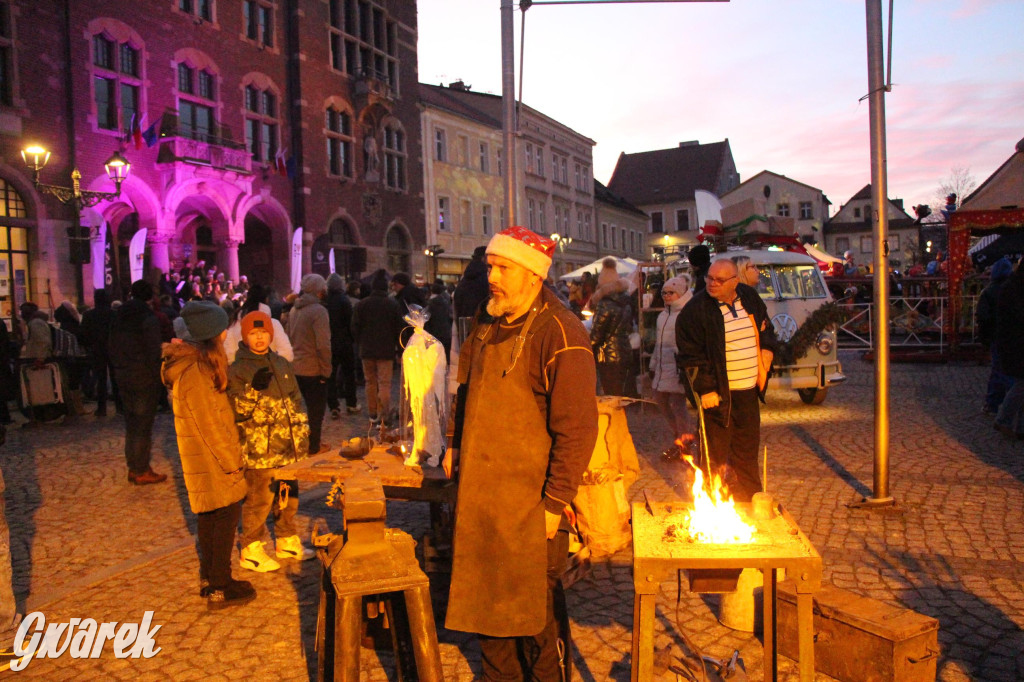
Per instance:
(725,344)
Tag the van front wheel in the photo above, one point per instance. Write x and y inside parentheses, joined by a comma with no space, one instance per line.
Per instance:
(813,396)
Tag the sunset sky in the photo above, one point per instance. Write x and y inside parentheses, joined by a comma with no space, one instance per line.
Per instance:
(780,78)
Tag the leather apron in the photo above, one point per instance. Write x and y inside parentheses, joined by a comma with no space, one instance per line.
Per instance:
(499,562)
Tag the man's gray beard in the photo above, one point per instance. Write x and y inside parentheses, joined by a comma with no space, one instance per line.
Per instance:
(506,306)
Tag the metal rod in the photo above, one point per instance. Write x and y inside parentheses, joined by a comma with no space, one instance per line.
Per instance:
(880,203)
(508,110)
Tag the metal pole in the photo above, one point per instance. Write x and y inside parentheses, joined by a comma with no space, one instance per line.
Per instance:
(880,203)
(508,110)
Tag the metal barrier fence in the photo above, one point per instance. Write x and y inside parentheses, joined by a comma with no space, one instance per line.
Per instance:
(913,322)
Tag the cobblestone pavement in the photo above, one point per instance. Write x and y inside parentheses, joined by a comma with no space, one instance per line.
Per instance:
(87,544)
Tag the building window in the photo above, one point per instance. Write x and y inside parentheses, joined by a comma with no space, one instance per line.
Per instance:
(440,145)
(394,156)
(466,216)
(542,225)
(579,172)
(806,211)
(364,40)
(615,233)
(539,165)
(117,83)
(782,210)
(565,171)
(485,158)
(497,156)
(842,244)
(485,219)
(196,102)
(529,157)
(258,19)
(14,256)
(6,56)
(579,224)
(340,142)
(586,227)
(531,212)
(894,243)
(656,222)
(261,123)
(197,8)
(444,209)
(856,212)
(604,235)
(585,184)
(682,219)
(554,167)
(865,244)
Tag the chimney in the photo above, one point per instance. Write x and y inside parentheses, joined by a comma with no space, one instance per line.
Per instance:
(460,86)
(690,143)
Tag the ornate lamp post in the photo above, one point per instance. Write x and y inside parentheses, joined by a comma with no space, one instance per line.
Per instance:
(117,168)
(561,242)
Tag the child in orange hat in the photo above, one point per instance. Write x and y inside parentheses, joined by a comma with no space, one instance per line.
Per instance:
(275,432)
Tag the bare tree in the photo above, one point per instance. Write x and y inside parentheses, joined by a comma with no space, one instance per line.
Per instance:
(959,182)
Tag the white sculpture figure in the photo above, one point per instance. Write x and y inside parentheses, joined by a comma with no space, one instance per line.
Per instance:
(424,368)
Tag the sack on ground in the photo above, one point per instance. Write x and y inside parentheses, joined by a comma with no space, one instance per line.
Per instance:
(602,512)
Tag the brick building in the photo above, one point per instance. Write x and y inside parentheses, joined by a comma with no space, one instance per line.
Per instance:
(251,119)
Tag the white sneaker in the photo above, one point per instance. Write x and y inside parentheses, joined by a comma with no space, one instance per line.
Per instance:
(291,548)
(255,558)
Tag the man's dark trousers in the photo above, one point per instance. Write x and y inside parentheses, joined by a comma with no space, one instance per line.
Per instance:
(314,393)
(139,412)
(736,443)
(536,657)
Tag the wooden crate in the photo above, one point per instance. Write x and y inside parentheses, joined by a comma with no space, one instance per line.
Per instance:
(859,639)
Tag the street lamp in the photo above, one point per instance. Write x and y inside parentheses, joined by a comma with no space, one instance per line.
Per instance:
(561,242)
(433,251)
(117,168)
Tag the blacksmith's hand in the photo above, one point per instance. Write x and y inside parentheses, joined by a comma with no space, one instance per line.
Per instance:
(261,379)
(551,522)
(450,462)
(710,400)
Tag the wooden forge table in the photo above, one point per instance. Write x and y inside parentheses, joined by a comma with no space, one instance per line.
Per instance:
(778,543)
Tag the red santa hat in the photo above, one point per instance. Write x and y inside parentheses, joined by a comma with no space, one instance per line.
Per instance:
(523,247)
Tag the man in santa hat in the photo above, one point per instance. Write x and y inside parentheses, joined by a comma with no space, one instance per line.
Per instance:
(525,427)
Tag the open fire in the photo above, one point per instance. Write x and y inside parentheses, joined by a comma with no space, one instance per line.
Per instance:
(713,517)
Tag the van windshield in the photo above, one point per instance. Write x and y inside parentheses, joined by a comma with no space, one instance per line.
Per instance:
(799,281)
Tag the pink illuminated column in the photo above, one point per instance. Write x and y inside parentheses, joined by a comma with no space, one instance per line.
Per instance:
(231,258)
(159,254)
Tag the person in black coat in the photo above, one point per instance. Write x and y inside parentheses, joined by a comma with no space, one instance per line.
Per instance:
(343,358)
(376,326)
(135,347)
(1009,339)
(472,289)
(440,323)
(94,335)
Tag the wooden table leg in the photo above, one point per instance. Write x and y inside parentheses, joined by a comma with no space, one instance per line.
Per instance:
(805,634)
(348,623)
(642,669)
(770,634)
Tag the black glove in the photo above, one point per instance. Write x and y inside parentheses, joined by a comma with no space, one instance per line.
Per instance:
(261,379)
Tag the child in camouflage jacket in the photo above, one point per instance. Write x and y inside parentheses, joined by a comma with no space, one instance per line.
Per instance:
(274,431)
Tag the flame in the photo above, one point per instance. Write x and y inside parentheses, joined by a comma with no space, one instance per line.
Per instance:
(714,518)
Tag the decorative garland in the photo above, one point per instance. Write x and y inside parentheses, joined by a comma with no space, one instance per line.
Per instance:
(807,334)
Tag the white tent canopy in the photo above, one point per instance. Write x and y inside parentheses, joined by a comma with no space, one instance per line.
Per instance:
(624,266)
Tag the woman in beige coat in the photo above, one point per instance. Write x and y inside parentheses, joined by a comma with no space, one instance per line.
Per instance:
(208,442)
